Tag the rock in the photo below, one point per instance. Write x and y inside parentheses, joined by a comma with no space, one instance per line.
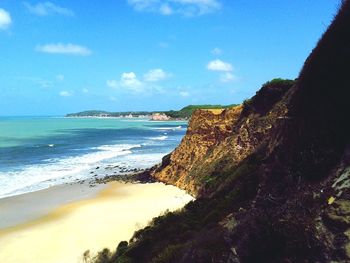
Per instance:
(229,222)
(159,117)
(206,129)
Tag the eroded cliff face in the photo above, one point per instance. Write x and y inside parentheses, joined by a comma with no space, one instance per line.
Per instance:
(206,130)
(217,140)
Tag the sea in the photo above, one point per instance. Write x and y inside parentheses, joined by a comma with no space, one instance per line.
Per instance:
(39,152)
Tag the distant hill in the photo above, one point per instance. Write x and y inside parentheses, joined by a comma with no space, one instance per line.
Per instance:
(87,113)
(99,113)
(184,113)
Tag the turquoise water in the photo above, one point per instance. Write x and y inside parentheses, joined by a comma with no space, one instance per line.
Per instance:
(38,152)
(16,130)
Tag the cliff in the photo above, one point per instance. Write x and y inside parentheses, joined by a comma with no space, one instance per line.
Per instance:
(217,140)
(272,177)
(206,129)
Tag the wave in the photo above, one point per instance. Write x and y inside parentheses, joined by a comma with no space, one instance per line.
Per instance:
(168,128)
(58,170)
(159,138)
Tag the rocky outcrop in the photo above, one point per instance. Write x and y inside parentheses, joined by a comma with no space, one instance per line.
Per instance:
(159,117)
(206,130)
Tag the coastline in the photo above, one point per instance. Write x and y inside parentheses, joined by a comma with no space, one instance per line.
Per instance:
(126,118)
(60,223)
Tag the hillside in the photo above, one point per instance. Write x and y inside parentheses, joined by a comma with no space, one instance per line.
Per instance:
(271,177)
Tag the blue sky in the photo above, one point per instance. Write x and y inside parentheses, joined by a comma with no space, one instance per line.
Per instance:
(58,57)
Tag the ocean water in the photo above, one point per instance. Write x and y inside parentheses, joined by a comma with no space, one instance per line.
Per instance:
(39,152)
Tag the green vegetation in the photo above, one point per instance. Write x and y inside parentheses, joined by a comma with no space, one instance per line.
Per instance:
(187,111)
(279,82)
(184,113)
(267,96)
(98,113)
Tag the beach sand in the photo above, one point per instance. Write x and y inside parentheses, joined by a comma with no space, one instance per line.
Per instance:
(60,223)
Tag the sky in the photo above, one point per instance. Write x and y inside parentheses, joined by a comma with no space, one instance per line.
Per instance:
(59,57)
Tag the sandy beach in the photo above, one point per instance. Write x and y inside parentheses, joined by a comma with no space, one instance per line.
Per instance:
(60,223)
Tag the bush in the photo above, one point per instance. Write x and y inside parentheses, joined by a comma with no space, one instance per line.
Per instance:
(279,82)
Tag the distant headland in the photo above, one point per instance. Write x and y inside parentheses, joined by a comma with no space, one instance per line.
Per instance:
(183,114)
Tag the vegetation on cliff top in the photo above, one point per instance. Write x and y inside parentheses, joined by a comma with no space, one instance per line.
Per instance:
(187,111)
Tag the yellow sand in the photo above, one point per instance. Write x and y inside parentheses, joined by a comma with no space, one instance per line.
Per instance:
(103,221)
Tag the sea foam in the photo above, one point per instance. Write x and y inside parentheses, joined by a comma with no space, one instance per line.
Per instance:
(159,138)
(57,171)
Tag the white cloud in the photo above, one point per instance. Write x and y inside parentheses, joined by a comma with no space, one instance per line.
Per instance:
(182,7)
(5,19)
(217,51)
(65,49)
(47,8)
(184,93)
(128,81)
(227,77)
(155,75)
(219,65)
(65,93)
(225,69)
(131,83)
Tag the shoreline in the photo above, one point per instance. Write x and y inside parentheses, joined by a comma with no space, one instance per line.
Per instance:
(18,209)
(126,118)
(60,223)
